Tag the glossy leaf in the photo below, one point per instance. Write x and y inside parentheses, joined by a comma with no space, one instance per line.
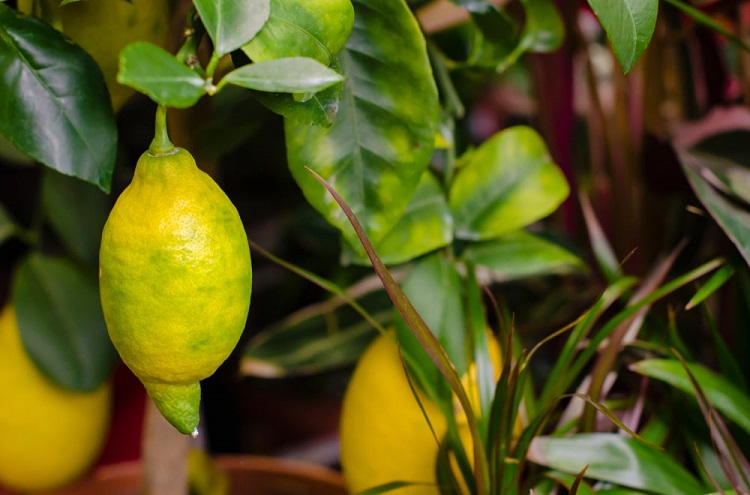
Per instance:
(232,23)
(77,212)
(509,182)
(383,135)
(544,30)
(320,110)
(629,25)
(300,28)
(733,219)
(154,71)
(617,459)
(54,105)
(475,6)
(284,75)
(520,254)
(425,226)
(61,322)
(724,395)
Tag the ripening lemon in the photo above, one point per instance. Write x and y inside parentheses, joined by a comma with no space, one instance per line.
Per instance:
(50,435)
(175,279)
(384,435)
(104,27)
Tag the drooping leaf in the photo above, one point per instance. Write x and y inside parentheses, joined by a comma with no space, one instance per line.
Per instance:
(284,75)
(509,182)
(155,72)
(232,23)
(733,219)
(77,212)
(617,459)
(724,395)
(425,226)
(54,105)
(427,340)
(629,25)
(61,322)
(520,254)
(303,28)
(383,135)
(435,289)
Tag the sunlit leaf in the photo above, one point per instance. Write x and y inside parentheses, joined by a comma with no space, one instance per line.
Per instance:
(724,395)
(155,72)
(383,135)
(617,459)
(521,254)
(284,75)
(232,23)
(629,25)
(509,182)
(54,105)
(425,226)
(299,28)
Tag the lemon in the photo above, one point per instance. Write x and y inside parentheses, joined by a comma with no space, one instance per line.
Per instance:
(175,279)
(104,27)
(50,435)
(383,432)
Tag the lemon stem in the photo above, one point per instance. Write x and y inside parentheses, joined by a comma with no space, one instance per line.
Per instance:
(161,145)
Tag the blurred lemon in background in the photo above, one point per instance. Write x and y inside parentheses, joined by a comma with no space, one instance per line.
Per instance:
(104,27)
(50,435)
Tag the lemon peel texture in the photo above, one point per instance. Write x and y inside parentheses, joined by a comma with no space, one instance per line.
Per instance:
(175,279)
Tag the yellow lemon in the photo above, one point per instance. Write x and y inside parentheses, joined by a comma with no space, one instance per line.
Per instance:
(175,279)
(384,435)
(383,432)
(104,27)
(50,435)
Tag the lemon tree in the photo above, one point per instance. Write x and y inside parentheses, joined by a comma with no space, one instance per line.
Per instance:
(51,435)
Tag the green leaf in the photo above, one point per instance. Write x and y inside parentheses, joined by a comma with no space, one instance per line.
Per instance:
(303,28)
(544,30)
(61,322)
(725,397)
(383,135)
(154,71)
(308,345)
(284,75)
(320,110)
(629,25)
(232,23)
(475,6)
(77,213)
(509,182)
(435,289)
(700,170)
(520,254)
(426,225)
(713,284)
(617,459)
(54,105)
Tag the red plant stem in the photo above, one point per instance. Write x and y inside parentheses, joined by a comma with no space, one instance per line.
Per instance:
(553,75)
